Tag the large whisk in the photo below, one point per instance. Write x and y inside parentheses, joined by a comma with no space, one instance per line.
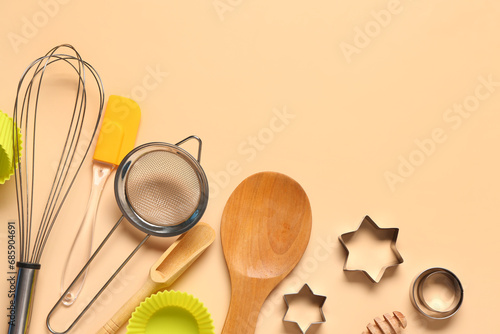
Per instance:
(34,226)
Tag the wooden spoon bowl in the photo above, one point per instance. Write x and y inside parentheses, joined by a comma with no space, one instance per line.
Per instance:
(265,229)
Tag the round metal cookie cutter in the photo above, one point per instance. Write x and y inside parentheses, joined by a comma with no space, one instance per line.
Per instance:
(437,293)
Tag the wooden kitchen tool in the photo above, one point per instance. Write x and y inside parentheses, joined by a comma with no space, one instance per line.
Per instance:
(265,229)
(178,257)
(390,323)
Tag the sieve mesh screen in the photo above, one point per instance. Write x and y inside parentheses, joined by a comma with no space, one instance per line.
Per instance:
(163,188)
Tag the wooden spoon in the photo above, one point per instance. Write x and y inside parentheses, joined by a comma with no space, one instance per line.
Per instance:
(176,259)
(265,229)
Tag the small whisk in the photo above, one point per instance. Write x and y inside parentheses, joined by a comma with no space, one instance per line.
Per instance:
(34,226)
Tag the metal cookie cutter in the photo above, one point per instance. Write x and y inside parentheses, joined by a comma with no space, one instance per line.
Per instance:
(306,291)
(394,236)
(437,293)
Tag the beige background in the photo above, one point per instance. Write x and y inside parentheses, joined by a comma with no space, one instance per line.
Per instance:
(357,105)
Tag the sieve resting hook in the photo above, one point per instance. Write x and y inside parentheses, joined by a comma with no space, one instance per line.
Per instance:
(199,144)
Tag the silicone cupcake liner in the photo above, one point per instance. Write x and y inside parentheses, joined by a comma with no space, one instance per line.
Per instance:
(6,147)
(171,312)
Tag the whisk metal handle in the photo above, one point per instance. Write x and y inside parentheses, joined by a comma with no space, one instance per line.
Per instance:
(84,269)
(23,301)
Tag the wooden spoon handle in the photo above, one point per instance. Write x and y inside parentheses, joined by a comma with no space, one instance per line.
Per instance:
(244,308)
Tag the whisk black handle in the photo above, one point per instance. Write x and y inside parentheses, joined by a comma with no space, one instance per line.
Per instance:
(23,301)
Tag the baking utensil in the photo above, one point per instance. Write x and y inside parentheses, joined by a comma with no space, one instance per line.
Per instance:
(393,232)
(176,259)
(161,190)
(8,160)
(265,229)
(437,293)
(30,109)
(171,312)
(116,138)
(306,292)
(390,324)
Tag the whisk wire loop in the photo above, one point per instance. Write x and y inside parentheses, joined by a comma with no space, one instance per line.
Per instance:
(34,231)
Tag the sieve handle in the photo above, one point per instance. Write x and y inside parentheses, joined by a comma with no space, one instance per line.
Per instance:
(199,144)
(84,269)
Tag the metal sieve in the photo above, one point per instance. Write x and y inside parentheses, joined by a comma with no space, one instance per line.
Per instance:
(162,190)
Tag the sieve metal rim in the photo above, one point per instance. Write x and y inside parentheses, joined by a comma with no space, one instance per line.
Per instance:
(126,208)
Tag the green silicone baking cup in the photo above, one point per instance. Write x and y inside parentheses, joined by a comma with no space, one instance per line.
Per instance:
(171,312)
(7,155)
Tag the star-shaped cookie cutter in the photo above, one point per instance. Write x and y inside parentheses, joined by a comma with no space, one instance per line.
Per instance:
(395,232)
(306,290)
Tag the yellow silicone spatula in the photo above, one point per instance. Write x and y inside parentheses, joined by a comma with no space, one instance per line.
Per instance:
(116,138)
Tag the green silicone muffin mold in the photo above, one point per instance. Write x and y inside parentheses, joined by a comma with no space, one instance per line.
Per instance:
(171,312)
(7,154)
